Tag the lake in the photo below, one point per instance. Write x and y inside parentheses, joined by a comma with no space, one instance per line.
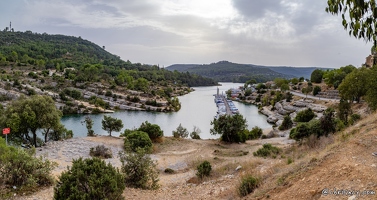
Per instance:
(198,109)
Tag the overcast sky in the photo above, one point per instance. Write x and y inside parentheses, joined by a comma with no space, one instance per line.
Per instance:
(166,32)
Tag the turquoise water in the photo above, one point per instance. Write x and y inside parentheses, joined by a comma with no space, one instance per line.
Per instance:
(198,109)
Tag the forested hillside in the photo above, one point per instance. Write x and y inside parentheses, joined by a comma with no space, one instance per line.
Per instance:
(231,72)
(60,52)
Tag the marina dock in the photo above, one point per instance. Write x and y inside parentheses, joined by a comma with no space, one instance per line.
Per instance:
(224,105)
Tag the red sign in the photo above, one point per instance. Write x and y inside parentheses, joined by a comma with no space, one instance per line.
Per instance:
(6,131)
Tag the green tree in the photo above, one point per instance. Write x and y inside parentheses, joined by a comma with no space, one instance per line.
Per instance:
(328,124)
(28,115)
(371,95)
(231,128)
(305,115)
(110,124)
(153,130)
(359,17)
(91,178)
(316,76)
(353,87)
(294,81)
(180,132)
(316,90)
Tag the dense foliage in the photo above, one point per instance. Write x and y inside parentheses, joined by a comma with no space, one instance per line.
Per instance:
(139,169)
(359,17)
(90,179)
(153,130)
(28,115)
(20,168)
(316,76)
(110,124)
(230,127)
(255,133)
(138,140)
(304,115)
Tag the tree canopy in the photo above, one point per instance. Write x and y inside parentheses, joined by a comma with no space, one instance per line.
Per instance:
(231,128)
(27,115)
(359,17)
(110,124)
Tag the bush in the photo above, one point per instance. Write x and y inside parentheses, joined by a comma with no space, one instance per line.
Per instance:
(255,133)
(267,150)
(22,169)
(195,134)
(153,130)
(139,169)
(169,171)
(304,130)
(316,90)
(90,179)
(304,115)
(248,185)
(138,140)
(180,132)
(286,124)
(101,151)
(204,169)
(354,118)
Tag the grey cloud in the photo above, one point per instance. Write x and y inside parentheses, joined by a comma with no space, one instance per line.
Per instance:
(257,9)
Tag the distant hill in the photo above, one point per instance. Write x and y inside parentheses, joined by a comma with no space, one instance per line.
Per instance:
(230,72)
(296,71)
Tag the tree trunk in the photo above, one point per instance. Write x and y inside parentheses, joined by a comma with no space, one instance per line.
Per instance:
(34,137)
(46,134)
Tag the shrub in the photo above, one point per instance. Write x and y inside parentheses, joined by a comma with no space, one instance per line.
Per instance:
(255,133)
(195,134)
(22,169)
(138,139)
(101,151)
(354,118)
(286,124)
(267,150)
(316,90)
(180,132)
(204,169)
(139,169)
(305,115)
(169,171)
(247,185)
(153,130)
(90,179)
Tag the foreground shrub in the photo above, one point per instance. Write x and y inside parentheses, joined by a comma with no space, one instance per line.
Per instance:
(247,185)
(138,140)
(153,130)
(204,169)
(139,169)
(90,179)
(354,118)
(20,168)
(101,151)
(267,151)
